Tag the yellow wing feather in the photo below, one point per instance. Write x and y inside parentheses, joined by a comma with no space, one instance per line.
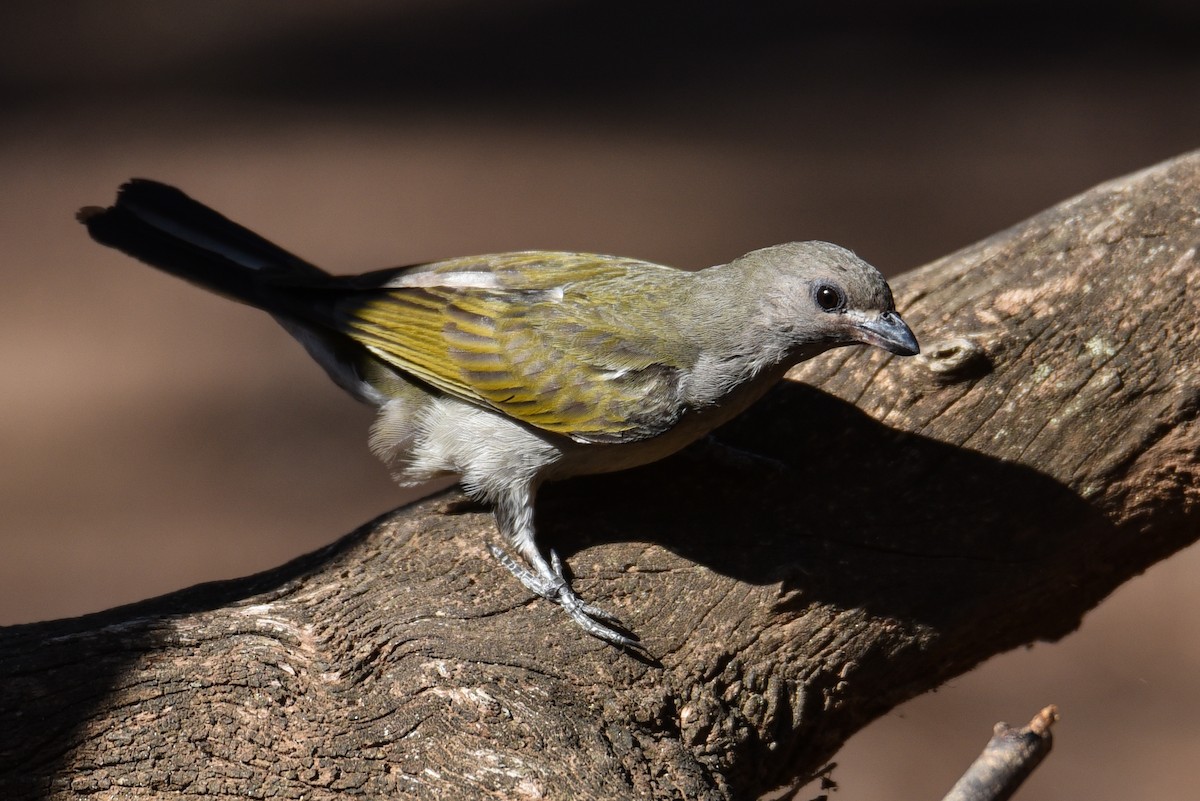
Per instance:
(526,335)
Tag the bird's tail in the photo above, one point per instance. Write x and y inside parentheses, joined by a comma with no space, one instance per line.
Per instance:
(163,227)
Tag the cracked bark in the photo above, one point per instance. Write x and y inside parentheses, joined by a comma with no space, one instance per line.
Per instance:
(920,516)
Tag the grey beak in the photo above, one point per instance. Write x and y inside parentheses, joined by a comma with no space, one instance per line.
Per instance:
(889,332)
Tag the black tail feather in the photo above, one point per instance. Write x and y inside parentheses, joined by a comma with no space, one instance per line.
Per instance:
(163,227)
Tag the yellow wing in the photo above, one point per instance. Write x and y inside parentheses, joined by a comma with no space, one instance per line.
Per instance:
(535,336)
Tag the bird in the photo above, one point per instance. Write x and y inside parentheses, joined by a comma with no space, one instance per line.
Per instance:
(509,370)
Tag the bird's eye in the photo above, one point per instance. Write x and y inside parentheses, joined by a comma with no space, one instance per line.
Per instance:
(829,298)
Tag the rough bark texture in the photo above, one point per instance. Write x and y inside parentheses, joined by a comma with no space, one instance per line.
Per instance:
(914,518)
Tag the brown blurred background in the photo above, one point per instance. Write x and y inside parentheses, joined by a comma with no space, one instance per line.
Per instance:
(155,436)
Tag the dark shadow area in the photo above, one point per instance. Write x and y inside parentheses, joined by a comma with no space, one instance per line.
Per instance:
(852,513)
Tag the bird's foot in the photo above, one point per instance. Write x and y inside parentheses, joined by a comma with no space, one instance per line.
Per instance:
(555,587)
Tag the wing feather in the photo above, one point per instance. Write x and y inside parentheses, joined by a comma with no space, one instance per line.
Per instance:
(523,334)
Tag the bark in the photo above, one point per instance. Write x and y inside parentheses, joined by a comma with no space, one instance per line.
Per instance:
(912,518)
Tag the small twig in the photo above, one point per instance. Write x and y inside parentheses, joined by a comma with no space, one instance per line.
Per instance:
(1007,760)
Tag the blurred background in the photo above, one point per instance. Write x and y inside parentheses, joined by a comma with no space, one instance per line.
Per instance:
(155,436)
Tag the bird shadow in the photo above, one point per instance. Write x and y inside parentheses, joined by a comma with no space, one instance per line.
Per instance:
(809,492)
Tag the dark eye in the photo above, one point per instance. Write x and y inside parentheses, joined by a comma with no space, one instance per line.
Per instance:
(829,297)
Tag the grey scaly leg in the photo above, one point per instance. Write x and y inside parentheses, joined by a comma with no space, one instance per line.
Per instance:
(514,517)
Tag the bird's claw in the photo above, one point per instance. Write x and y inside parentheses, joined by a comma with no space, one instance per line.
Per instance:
(564,590)
(556,588)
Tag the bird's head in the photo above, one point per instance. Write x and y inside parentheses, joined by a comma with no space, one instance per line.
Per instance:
(820,296)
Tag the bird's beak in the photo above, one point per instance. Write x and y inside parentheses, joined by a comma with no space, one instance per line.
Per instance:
(889,332)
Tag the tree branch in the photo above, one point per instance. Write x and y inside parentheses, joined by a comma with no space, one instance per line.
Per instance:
(1007,760)
(918,517)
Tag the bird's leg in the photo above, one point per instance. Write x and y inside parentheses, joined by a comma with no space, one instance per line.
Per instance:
(514,516)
